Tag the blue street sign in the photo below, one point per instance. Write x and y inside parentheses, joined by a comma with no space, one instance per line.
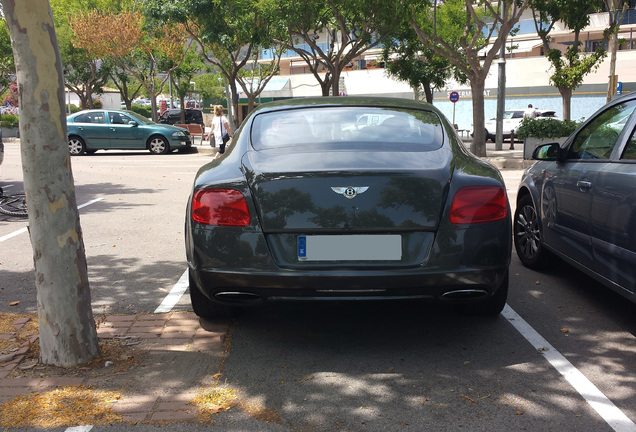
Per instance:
(454,97)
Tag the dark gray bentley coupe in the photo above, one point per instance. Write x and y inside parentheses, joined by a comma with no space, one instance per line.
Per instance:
(347,199)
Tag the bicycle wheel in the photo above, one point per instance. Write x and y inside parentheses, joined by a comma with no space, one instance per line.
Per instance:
(13,205)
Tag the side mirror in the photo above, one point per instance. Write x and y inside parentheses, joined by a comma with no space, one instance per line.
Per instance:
(547,152)
(133,124)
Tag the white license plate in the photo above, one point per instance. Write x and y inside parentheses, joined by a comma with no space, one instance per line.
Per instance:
(350,248)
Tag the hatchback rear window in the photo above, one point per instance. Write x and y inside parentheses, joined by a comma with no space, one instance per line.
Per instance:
(348,127)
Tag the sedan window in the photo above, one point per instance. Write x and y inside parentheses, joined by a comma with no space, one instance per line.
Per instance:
(598,138)
(630,148)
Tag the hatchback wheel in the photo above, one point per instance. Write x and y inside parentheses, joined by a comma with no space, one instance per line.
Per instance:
(527,236)
(76,146)
(158,145)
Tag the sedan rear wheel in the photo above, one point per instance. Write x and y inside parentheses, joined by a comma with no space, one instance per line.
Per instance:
(158,145)
(76,146)
(527,235)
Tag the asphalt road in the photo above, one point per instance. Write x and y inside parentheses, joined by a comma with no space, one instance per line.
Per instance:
(562,357)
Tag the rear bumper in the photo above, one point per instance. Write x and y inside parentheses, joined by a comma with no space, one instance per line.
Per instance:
(245,288)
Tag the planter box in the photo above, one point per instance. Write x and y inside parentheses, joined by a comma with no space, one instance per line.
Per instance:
(10,132)
(529,144)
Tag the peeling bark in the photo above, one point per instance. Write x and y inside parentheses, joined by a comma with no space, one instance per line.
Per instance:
(67,328)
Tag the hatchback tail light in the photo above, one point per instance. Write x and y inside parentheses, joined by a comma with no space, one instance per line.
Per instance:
(476,204)
(224,207)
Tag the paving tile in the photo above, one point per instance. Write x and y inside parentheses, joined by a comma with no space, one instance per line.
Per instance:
(12,392)
(186,315)
(173,415)
(174,405)
(149,323)
(21,320)
(143,335)
(119,318)
(134,417)
(138,399)
(153,317)
(7,336)
(181,345)
(177,335)
(60,382)
(129,408)
(19,382)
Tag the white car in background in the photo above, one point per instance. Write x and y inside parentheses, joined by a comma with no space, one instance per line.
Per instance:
(511,121)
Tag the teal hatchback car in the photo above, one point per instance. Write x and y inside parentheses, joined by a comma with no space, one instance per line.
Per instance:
(101,129)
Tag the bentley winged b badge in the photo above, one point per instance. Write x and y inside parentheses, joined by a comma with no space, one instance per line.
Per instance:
(350,192)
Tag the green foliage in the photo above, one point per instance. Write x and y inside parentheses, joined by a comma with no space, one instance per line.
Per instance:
(9,121)
(144,110)
(74,108)
(545,128)
(209,87)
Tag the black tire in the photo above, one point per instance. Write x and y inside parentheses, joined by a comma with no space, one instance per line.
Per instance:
(158,145)
(492,306)
(76,146)
(527,235)
(206,308)
(14,205)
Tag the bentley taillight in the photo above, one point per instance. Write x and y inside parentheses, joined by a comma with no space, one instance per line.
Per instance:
(477,204)
(223,207)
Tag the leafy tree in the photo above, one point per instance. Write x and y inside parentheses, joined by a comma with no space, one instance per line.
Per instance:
(408,60)
(134,45)
(84,75)
(7,66)
(228,34)
(254,77)
(209,86)
(616,10)
(129,88)
(469,34)
(183,75)
(571,66)
(352,27)
(67,331)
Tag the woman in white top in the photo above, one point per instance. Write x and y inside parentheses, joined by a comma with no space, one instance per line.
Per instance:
(220,127)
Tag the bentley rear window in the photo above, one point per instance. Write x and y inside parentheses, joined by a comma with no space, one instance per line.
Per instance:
(347,127)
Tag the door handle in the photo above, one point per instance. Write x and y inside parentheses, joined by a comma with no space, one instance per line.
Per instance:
(584,184)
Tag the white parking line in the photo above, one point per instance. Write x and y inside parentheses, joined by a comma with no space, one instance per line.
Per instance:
(597,400)
(79,429)
(175,294)
(23,230)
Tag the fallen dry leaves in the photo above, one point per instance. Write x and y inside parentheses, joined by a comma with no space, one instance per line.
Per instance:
(57,407)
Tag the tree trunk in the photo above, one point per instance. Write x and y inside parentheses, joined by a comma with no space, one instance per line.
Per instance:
(67,328)
(428,91)
(478,145)
(566,97)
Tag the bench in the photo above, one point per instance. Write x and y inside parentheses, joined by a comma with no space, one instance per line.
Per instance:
(194,129)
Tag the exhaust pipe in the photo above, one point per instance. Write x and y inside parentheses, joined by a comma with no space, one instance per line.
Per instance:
(238,297)
(465,294)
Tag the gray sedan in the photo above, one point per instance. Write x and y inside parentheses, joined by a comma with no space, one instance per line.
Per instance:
(578,201)
(305,205)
